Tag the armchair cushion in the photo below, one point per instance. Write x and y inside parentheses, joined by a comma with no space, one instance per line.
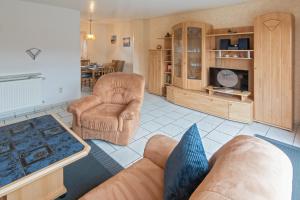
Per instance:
(83,104)
(186,167)
(131,110)
(104,117)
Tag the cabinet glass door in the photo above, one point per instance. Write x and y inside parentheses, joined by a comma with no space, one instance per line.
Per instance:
(194,53)
(178,52)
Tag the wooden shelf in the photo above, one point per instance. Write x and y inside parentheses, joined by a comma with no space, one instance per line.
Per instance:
(168,72)
(164,38)
(233,58)
(231,50)
(230,34)
(168,61)
(242,94)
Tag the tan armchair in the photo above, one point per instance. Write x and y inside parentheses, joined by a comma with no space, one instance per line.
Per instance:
(112,112)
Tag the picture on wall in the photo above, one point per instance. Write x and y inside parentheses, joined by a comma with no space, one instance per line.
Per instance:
(126,42)
(113,39)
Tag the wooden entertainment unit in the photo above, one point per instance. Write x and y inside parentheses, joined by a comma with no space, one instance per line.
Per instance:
(197,47)
(227,107)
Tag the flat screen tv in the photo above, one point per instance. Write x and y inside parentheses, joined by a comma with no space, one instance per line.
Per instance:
(229,78)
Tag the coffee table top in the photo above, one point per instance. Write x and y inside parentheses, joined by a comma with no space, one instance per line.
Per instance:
(30,146)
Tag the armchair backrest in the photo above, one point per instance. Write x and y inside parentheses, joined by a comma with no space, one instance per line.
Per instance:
(120,88)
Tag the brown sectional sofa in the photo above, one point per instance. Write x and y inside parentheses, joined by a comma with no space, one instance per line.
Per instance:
(246,168)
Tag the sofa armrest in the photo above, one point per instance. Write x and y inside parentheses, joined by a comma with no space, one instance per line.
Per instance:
(158,149)
(83,104)
(131,110)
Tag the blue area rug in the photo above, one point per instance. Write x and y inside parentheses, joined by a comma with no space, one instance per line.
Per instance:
(294,154)
(87,173)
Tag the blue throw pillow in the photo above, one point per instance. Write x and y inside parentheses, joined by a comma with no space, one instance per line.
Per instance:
(186,167)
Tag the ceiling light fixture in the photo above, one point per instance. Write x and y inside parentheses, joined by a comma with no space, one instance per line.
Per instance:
(90,36)
(92,6)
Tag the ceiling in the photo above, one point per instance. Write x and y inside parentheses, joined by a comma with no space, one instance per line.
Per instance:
(104,10)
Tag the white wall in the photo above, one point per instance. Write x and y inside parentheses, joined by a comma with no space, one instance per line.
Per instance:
(56,31)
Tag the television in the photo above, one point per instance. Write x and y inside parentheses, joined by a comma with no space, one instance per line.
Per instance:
(229,78)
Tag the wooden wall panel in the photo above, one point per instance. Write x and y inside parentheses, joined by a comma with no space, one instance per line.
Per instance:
(155,72)
(273,72)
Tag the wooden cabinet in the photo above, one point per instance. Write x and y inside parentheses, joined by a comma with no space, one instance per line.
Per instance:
(273,69)
(156,72)
(189,50)
(225,107)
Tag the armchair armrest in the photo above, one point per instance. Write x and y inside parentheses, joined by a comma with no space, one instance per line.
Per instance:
(158,149)
(131,110)
(83,104)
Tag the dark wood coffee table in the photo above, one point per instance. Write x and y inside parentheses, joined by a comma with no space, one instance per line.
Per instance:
(33,154)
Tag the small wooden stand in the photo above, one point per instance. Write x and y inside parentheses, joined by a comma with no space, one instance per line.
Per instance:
(243,95)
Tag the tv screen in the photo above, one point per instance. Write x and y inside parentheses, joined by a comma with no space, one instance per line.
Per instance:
(229,78)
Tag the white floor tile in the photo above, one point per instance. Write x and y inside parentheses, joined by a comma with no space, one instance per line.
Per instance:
(235,124)
(281,135)
(171,130)
(64,114)
(194,117)
(167,109)
(146,118)
(125,156)
(205,126)
(36,114)
(183,123)
(105,146)
(178,137)
(213,120)
(55,111)
(183,111)
(15,120)
(210,146)
(150,107)
(139,146)
(219,137)
(156,113)
(151,126)
(161,103)
(173,115)
(141,132)
(117,147)
(248,130)
(260,127)
(228,129)
(297,138)
(156,133)
(163,120)
(208,155)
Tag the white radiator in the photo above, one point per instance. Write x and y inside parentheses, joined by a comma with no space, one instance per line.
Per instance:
(20,92)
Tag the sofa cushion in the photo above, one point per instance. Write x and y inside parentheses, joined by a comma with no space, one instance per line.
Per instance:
(247,168)
(103,117)
(186,167)
(143,180)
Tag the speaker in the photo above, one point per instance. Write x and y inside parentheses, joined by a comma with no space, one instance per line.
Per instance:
(224,44)
(244,43)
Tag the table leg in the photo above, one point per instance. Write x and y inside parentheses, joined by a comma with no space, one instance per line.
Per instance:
(48,187)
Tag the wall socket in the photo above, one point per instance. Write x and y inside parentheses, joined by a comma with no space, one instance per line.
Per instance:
(60,90)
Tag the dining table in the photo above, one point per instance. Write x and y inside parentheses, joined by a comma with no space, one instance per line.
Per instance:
(95,70)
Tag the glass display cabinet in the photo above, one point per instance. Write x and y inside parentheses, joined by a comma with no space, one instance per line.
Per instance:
(189,55)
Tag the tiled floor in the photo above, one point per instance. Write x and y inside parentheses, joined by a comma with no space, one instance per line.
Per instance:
(158,115)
